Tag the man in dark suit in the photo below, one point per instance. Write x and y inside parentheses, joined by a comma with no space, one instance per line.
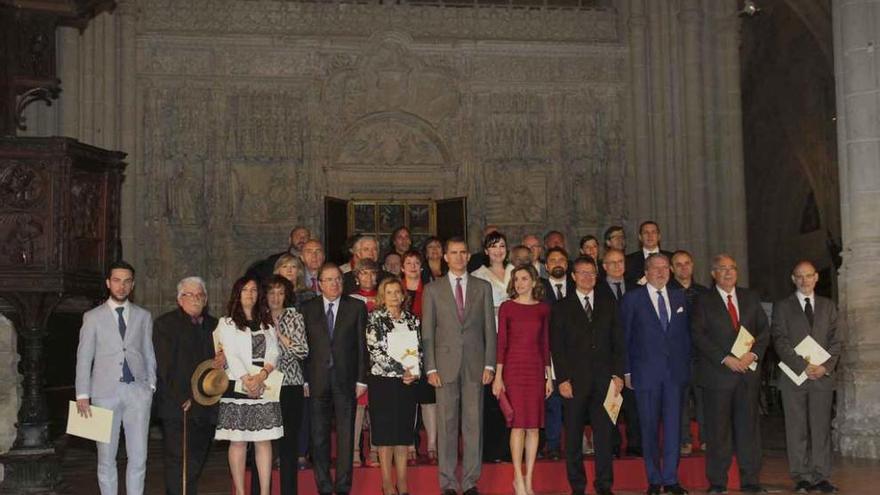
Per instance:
(458,338)
(657,329)
(263,269)
(556,287)
(808,406)
(337,367)
(649,242)
(616,286)
(683,279)
(731,389)
(588,354)
(183,338)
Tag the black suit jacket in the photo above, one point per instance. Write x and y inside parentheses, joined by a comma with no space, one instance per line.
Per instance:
(550,290)
(586,350)
(635,264)
(713,335)
(180,346)
(348,347)
(628,286)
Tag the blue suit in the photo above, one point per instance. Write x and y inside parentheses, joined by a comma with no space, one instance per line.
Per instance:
(658,362)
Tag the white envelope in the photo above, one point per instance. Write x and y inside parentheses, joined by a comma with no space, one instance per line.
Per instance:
(613,402)
(812,352)
(272,383)
(95,428)
(743,344)
(403,347)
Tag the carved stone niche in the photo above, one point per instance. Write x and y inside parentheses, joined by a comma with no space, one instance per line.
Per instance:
(59,230)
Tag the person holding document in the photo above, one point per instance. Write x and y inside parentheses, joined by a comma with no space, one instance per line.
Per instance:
(116,370)
(588,351)
(394,369)
(249,343)
(523,369)
(731,384)
(808,405)
(658,363)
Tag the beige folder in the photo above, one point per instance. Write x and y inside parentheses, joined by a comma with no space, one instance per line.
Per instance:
(812,352)
(743,344)
(613,402)
(95,428)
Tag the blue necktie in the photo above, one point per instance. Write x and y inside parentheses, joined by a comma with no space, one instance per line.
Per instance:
(127,377)
(661,307)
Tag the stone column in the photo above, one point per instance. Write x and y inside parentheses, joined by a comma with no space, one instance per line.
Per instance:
(856,34)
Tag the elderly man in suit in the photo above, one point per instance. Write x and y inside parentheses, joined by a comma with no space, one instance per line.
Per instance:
(731,389)
(588,351)
(458,339)
(116,370)
(337,369)
(808,406)
(183,339)
(657,330)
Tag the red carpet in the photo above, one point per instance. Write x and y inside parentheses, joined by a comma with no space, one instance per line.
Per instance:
(629,474)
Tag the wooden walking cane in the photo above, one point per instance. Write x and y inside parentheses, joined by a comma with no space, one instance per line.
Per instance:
(184,452)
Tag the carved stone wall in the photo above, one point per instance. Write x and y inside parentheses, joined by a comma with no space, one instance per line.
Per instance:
(239,117)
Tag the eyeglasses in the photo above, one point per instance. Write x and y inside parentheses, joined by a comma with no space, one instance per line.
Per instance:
(584,273)
(194,295)
(805,276)
(334,280)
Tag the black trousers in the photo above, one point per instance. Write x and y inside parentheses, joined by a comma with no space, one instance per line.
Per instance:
(333,401)
(587,402)
(629,412)
(199,435)
(291,415)
(732,423)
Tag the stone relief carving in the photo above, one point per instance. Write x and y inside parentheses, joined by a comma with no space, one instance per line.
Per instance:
(262,194)
(264,125)
(308,19)
(516,191)
(390,143)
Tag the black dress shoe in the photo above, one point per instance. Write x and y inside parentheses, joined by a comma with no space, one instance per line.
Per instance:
(604,491)
(752,489)
(716,489)
(653,490)
(471,491)
(802,487)
(554,454)
(450,491)
(675,489)
(824,486)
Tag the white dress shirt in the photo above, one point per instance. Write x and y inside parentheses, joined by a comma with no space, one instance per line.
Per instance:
(652,293)
(802,298)
(591,296)
(560,284)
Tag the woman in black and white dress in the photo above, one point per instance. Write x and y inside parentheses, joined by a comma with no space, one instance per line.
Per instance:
(291,332)
(392,389)
(249,344)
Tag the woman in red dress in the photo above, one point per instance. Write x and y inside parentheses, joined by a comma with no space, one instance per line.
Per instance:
(522,373)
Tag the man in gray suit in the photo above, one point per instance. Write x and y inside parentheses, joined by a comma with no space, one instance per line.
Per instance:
(458,338)
(116,370)
(808,406)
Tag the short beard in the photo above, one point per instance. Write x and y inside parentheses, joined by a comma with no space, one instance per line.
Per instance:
(557,272)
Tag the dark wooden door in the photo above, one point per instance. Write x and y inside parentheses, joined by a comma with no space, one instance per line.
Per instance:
(452,218)
(335,229)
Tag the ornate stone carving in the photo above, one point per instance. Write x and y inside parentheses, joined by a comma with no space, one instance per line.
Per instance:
(330,19)
(389,143)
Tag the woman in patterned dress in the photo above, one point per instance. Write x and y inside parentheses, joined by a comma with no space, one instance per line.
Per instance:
(291,333)
(250,347)
(392,389)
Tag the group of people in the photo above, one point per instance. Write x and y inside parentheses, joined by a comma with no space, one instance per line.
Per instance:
(510,340)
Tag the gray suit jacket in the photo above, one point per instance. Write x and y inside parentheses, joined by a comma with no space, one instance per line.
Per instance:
(101,350)
(458,349)
(790,326)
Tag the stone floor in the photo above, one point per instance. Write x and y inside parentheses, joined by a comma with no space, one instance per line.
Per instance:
(853,476)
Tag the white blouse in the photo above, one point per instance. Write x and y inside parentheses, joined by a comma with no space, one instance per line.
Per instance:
(237,347)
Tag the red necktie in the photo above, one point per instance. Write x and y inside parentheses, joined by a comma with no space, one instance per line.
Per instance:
(734,317)
(459,300)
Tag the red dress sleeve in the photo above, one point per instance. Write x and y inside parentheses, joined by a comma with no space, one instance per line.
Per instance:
(501,346)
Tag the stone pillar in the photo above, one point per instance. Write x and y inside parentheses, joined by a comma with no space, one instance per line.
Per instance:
(856,34)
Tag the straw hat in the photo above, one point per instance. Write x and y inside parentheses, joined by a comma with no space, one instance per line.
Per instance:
(208,383)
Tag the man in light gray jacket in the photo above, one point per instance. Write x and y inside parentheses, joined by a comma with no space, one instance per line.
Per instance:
(116,370)
(458,338)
